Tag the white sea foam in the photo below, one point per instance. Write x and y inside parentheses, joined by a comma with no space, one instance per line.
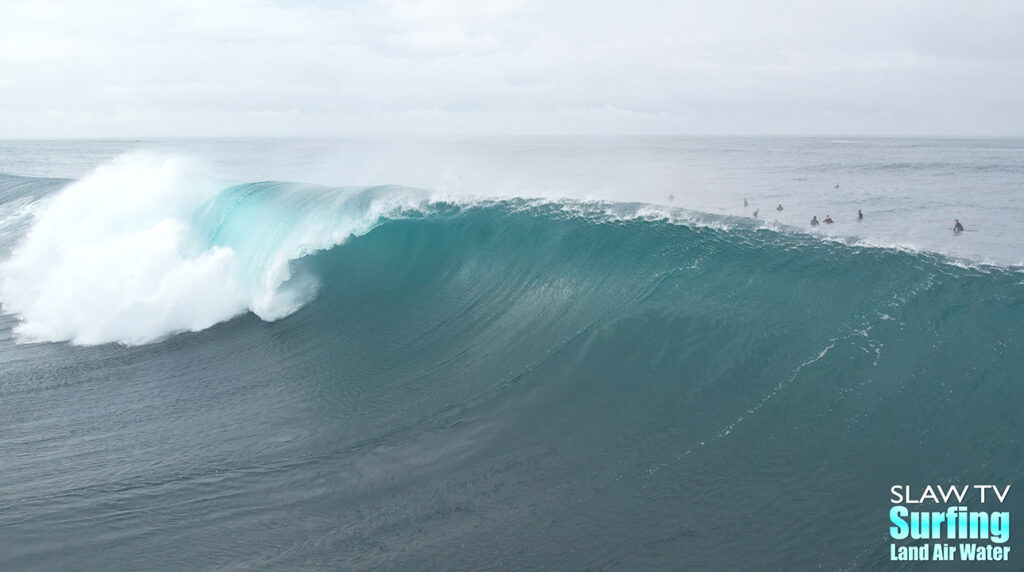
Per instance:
(122,237)
(124,254)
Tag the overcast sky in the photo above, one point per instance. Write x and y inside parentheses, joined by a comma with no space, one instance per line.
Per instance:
(262,67)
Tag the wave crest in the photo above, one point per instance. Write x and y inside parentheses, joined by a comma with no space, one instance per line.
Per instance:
(149,246)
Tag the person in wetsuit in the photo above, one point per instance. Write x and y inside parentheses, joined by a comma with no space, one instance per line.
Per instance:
(779,208)
(828,219)
(745,203)
(957,228)
(814,220)
(755,212)
(860,215)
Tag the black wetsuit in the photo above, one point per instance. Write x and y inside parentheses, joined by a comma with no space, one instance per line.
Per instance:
(814,221)
(958,228)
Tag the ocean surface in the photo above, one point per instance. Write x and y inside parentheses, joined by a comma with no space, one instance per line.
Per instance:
(563,353)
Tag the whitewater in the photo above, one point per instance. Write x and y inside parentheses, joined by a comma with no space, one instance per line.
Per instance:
(548,352)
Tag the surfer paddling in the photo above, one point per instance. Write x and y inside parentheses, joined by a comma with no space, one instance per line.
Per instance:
(957,227)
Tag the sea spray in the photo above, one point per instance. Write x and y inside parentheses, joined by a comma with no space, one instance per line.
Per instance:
(149,245)
(112,258)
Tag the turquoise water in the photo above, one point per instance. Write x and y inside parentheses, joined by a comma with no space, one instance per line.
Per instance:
(289,375)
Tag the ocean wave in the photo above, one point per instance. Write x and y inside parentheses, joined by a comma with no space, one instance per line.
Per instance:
(148,246)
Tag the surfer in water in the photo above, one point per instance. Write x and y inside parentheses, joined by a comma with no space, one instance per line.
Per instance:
(860,215)
(828,219)
(814,220)
(957,227)
(755,212)
(779,208)
(745,203)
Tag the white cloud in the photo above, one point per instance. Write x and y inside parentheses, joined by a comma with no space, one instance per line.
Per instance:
(510,66)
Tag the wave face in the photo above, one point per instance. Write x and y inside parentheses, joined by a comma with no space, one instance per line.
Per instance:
(651,388)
